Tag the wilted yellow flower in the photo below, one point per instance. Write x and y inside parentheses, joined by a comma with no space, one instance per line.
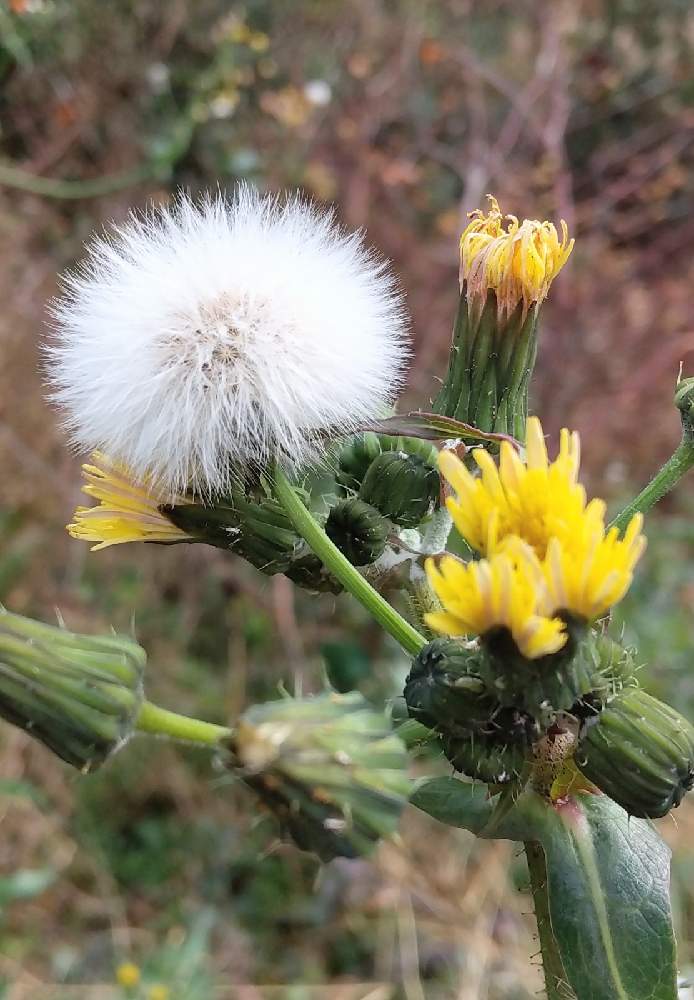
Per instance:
(127,975)
(506,590)
(536,514)
(516,260)
(126,511)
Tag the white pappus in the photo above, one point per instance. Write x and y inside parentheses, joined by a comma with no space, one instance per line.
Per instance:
(198,338)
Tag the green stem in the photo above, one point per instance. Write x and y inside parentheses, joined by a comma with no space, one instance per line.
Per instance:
(680,462)
(162,722)
(95,187)
(556,982)
(342,569)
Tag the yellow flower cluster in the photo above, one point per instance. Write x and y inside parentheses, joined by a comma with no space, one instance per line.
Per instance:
(517,260)
(126,511)
(545,548)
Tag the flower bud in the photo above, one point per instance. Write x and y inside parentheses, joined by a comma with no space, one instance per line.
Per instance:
(355,458)
(309,573)
(684,401)
(329,767)
(614,669)
(444,689)
(404,488)
(358,530)
(497,752)
(79,695)
(640,752)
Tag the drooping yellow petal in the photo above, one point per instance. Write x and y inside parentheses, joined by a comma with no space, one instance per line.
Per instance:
(125,512)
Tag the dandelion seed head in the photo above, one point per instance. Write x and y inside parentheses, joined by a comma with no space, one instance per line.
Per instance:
(201,337)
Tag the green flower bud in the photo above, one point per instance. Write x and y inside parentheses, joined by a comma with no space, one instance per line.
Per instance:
(541,686)
(358,530)
(258,530)
(444,689)
(404,488)
(684,401)
(614,669)
(309,573)
(329,767)
(640,752)
(355,458)
(79,695)
(496,754)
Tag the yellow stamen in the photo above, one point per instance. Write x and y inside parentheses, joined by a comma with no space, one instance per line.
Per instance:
(126,511)
(516,260)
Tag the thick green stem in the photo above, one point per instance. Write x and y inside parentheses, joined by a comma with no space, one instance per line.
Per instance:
(161,722)
(556,982)
(662,483)
(342,569)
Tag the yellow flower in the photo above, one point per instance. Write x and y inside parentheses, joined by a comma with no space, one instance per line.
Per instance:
(158,992)
(127,975)
(585,568)
(534,498)
(508,590)
(126,511)
(516,260)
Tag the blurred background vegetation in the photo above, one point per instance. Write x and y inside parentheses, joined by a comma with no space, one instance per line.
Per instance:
(404,113)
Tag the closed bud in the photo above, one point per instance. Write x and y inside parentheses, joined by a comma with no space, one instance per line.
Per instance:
(444,689)
(310,573)
(684,401)
(355,458)
(79,695)
(613,670)
(404,488)
(358,530)
(329,767)
(640,752)
(498,751)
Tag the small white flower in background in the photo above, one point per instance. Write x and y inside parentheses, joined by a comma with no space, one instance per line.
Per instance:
(202,337)
(318,92)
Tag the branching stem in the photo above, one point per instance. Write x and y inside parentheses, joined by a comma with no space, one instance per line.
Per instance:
(342,569)
(555,976)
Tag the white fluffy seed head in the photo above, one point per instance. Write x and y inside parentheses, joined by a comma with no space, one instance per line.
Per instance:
(203,337)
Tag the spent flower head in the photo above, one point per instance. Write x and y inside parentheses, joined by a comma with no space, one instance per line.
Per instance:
(201,337)
(516,260)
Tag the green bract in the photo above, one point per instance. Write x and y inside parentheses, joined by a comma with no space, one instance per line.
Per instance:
(79,694)
(329,767)
(640,752)
(404,488)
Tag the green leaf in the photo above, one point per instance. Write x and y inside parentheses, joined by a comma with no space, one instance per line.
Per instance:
(433,427)
(454,802)
(607,880)
(346,665)
(608,883)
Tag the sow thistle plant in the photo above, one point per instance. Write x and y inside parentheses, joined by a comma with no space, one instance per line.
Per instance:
(213,357)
